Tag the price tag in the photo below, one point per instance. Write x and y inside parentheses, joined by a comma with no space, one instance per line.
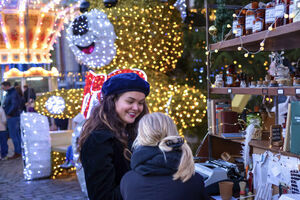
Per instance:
(280,91)
(297,90)
(229,91)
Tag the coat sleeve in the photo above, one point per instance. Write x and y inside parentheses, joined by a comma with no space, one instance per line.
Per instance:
(3,117)
(97,162)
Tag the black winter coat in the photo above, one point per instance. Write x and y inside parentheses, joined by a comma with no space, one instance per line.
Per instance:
(12,103)
(151,178)
(104,165)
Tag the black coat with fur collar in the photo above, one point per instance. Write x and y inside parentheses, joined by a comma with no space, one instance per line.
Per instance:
(104,165)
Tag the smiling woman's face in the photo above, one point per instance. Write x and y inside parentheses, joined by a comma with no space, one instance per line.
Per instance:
(129,106)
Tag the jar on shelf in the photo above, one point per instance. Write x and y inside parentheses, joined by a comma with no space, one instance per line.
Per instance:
(266,83)
(270,14)
(282,83)
(273,83)
(259,84)
(252,84)
(250,20)
(240,30)
(219,81)
(296,82)
(280,10)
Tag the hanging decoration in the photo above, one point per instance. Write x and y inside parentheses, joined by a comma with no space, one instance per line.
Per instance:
(91,38)
(29,29)
(213,30)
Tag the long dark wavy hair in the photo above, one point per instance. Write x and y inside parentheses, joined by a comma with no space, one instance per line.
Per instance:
(105,116)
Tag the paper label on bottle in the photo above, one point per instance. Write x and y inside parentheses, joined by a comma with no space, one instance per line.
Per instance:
(258,26)
(229,80)
(270,15)
(239,32)
(234,26)
(279,10)
(250,21)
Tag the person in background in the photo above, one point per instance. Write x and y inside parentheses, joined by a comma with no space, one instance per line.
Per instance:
(29,93)
(29,96)
(162,164)
(109,132)
(11,107)
(22,103)
(3,135)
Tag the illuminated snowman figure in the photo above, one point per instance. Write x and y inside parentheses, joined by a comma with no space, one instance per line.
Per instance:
(91,37)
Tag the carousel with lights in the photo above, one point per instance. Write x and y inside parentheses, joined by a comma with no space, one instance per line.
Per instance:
(28,30)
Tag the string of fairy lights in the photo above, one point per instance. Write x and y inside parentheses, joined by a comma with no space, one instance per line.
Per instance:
(262,43)
(149,37)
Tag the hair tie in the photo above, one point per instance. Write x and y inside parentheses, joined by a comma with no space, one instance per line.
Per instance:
(175,145)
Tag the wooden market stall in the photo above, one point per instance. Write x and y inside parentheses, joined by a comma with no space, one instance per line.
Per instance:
(284,37)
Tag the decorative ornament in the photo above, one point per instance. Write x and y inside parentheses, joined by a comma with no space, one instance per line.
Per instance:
(213,30)
(72,99)
(181,6)
(55,105)
(91,38)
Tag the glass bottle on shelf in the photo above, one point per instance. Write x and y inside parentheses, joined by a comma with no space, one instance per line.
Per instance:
(291,11)
(243,83)
(270,14)
(250,19)
(280,10)
(259,20)
(230,76)
(237,81)
(241,15)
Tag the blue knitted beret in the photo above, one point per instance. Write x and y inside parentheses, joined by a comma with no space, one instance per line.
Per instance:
(124,83)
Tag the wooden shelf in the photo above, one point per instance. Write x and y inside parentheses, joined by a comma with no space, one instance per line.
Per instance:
(265,145)
(282,38)
(240,141)
(272,91)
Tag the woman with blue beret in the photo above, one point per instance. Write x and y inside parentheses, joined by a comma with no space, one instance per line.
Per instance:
(162,164)
(109,132)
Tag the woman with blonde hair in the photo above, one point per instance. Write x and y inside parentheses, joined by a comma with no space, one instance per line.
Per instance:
(162,164)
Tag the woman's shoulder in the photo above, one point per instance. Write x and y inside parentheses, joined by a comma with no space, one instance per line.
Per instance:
(101,136)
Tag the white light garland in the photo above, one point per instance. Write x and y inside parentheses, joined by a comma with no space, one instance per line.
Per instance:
(55,105)
(36,146)
(91,38)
